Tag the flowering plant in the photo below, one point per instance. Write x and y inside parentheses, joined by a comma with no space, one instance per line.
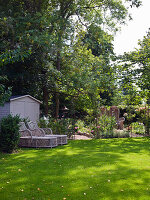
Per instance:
(103,126)
(76,129)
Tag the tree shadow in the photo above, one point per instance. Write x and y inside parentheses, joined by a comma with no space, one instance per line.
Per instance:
(95,169)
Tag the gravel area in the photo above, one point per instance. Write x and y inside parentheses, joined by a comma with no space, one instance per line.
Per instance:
(81,137)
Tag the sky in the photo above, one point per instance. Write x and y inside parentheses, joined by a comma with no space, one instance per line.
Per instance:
(127,39)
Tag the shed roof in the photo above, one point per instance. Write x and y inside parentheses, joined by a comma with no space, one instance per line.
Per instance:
(13,98)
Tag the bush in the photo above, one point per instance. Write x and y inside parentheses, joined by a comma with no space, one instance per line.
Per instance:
(82,128)
(61,126)
(44,122)
(138,128)
(104,127)
(120,134)
(9,134)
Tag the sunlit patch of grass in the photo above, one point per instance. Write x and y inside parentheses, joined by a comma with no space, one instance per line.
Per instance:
(112,169)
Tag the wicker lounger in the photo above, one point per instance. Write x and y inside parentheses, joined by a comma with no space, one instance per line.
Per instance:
(61,139)
(38,142)
(26,136)
(44,142)
(25,141)
(46,132)
(28,140)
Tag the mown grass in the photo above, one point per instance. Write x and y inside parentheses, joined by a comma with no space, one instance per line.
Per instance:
(112,169)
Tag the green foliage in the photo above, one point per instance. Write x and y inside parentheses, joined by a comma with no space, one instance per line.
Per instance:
(138,115)
(43,41)
(144,117)
(13,56)
(135,73)
(88,77)
(9,133)
(23,37)
(104,126)
(138,128)
(82,127)
(99,42)
(61,126)
(130,114)
(4,94)
(80,124)
(43,123)
(120,134)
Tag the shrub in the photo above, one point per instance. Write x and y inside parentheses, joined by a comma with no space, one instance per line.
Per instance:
(61,126)
(104,126)
(120,134)
(138,128)
(9,134)
(82,128)
(43,122)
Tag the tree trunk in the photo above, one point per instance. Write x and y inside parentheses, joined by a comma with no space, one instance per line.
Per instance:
(58,61)
(45,99)
(57,92)
(57,105)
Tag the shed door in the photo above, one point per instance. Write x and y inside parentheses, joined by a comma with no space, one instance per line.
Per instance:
(26,108)
(18,108)
(32,111)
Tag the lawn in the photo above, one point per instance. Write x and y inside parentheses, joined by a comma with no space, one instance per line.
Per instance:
(114,169)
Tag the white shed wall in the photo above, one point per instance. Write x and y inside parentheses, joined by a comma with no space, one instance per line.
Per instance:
(4,110)
(26,108)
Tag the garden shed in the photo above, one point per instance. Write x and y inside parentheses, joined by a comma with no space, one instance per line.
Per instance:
(26,106)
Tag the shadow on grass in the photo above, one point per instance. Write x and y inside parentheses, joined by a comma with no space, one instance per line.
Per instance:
(92,170)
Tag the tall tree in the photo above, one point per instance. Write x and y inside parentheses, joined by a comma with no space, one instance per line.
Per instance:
(136,75)
(104,15)
(136,67)
(35,34)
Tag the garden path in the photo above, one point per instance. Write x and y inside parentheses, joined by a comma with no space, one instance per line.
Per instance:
(81,137)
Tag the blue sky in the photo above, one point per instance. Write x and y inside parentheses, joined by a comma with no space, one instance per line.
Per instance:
(126,40)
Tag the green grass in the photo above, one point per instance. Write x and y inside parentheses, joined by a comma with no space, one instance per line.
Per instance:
(114,169)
